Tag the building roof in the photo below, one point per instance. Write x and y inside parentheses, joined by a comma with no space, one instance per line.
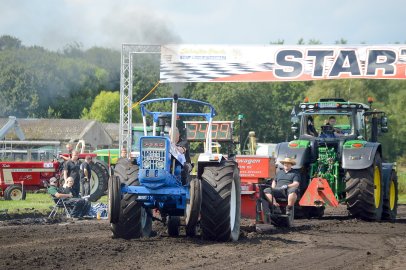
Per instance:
(93,132)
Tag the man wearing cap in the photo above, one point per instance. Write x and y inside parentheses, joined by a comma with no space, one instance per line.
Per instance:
(80,206)
(286,179)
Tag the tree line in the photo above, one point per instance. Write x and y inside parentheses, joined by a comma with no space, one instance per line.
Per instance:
(79,83)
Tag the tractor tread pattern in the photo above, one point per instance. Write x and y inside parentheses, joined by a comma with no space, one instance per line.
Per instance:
(129,223)
(215,212)
(360,192)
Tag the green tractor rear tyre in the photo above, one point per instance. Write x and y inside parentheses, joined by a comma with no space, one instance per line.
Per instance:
(390,203)
(99,180)
(221,202)
(364,191)
(133,220)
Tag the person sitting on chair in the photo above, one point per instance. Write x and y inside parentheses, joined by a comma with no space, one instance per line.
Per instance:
(80,206)
(287,180)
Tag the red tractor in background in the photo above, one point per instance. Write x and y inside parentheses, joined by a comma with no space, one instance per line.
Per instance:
(18,177)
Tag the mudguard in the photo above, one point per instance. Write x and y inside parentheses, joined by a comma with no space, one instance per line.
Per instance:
(386,174)
(359,158)
(300,154)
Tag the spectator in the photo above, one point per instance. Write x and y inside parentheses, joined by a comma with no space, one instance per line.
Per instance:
(80,207)
(288,180)
(72,169)
(69,149)
(123,153)
(85,176)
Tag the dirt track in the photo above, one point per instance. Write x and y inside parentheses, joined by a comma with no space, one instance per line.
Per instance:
(335,242)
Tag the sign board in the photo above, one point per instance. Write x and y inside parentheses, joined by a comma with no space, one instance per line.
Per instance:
(228,63)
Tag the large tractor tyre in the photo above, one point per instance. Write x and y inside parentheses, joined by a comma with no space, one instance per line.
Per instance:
(193,207)
(114,199)
(173,226)
(14,193)
(99,180)
(221,202)
(364,191)
(130,222)
(390,203)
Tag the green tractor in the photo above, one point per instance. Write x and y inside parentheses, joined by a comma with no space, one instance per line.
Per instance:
(340,160)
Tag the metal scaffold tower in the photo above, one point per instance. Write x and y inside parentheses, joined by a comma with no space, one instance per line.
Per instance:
(129,53)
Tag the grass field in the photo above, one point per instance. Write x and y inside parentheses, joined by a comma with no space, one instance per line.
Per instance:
(34,203)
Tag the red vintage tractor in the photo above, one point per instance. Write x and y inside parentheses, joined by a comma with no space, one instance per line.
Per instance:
(17,177)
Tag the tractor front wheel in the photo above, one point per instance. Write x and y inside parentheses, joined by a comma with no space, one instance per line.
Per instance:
(364,191)
(390,202)
(193,207)
(14,193)
(221,202)
(133,220)
(114,199)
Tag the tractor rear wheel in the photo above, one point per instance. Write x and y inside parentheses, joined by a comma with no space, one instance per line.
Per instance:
(221,202)
(193,207)
(14,193)
(133,221)
(390,202)
(364,191)
(99,180)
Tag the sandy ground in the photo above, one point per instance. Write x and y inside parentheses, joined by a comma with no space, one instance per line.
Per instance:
(334,242)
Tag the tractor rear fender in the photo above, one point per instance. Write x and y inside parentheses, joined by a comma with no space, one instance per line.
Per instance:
(387,169)
(301,154)
(360,158)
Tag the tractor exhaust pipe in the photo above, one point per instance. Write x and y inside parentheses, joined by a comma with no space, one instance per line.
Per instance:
(174,112)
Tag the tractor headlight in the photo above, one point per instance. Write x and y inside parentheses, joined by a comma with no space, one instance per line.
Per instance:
(160,165)
(146,164)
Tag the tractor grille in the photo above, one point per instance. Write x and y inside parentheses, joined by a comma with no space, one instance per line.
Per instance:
(153,153)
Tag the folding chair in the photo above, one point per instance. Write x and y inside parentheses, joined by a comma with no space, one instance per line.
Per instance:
(61,208)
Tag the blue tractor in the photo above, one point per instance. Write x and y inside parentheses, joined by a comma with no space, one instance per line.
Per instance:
(159,182)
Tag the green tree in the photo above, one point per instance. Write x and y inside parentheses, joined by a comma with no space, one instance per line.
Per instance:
(8,42)
(105,108)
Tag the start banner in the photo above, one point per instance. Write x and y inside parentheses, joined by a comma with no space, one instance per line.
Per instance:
(227,63)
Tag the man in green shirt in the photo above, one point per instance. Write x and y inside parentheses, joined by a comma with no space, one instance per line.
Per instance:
(80,206)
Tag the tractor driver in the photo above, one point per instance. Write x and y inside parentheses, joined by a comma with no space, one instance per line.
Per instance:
(288,180)
(183,147)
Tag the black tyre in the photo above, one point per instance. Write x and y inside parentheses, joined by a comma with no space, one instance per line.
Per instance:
(221,202)
(390,202)
(99,180)
(364,191)
(14,193)
(114,199)
(173,226)
(193,207)
(133,221)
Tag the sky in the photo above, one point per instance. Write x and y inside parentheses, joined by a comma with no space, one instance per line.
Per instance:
(53,24)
